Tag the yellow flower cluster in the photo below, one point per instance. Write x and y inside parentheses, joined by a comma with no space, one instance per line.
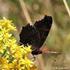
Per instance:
(12,55)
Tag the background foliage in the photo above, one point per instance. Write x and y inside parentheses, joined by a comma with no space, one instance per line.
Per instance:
(59,36)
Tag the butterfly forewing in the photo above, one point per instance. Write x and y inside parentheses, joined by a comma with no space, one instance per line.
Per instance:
(43,26)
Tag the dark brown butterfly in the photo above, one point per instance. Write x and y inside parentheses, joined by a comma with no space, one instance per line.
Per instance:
(36,35)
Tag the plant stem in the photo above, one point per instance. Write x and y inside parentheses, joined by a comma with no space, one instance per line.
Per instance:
(66,6)
(25,11)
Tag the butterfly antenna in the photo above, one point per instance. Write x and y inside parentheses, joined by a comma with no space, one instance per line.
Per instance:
(25,11)
(53,52)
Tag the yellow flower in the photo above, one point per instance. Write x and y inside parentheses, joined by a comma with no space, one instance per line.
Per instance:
(7,24)
(3,63)
(1,49)
(12,55)
(18,53)
(26,63)
(10,42)
(14,65)
(7,35)
(28,49)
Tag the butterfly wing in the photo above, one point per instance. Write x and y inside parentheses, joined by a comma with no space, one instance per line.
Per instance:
(43,26)
(36,35)
(29,35)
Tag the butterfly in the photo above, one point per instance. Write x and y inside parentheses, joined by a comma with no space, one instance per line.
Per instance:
(36,34)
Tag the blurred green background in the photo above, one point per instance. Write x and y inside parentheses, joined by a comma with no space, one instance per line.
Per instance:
(59,36)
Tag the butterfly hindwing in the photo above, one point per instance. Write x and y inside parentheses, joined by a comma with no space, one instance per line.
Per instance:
(29,35)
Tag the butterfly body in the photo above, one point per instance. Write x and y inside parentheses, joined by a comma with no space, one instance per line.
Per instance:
(36,35)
